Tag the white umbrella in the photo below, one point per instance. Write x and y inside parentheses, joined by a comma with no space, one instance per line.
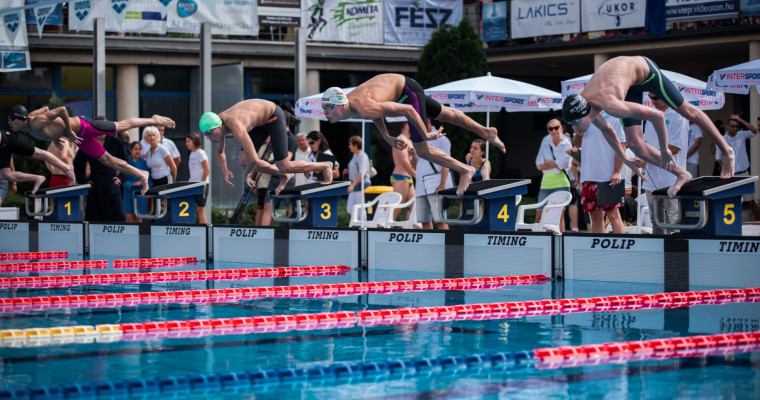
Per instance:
(492,93)
(736,78)
(693,90)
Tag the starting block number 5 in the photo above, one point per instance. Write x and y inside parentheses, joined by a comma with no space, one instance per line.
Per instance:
(728,214)
(503,214)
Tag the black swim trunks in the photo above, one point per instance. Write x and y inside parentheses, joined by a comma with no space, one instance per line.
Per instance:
(655,83)
(9,145)
(277,132)
(425,106)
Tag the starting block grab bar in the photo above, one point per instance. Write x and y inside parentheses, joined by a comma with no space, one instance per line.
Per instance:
(62,203)
(701,213)
(475,211)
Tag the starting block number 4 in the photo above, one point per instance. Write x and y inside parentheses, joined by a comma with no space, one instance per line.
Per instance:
(503,213)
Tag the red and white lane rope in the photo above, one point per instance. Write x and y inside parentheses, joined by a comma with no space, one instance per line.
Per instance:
(115,300)
(348,319)
(51,266)
(154,262)
(38,255)
(147,277)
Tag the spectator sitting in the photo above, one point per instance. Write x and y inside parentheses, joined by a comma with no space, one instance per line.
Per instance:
(477,159)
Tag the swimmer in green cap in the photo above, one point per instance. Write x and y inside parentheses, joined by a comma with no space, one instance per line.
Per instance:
(252,121)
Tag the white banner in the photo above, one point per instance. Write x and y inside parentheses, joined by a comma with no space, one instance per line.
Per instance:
(141,16)
(14,44)
(411,22)
(41,14)
(599,15)
(544,17)
(118,10)
(80,11)
(228,17)
(355,21)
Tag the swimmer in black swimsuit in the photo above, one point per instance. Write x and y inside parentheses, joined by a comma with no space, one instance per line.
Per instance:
(10,144)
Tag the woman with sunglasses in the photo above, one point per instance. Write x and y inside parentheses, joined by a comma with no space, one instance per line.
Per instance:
(552,160)
(320,152)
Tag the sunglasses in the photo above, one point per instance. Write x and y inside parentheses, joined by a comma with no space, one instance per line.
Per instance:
(574,122)
(311,142)
(553,128)
(733,126)
(653,97)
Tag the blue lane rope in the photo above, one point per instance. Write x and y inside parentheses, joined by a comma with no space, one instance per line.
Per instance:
(226,380)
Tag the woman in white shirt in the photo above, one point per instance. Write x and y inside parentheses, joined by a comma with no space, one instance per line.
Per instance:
(160,162)
(198,165)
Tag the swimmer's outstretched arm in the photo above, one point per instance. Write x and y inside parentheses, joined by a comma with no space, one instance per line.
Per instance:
(609,135)
(49,158)
(394,142)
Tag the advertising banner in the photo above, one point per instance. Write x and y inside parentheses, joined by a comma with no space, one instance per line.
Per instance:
(698,10)
(228,17)
(280,12)
(544,17)
(54,15)
(141,16)
(14,46)
(749,7)
(599,15)
(410,23)
(495,21)
(355,21)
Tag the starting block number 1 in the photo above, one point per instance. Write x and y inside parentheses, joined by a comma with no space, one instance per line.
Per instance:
(68,208)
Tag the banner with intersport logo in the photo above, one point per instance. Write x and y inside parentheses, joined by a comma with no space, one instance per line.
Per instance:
(411,22)
(354,21)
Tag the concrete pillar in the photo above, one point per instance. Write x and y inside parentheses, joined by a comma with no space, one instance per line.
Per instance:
(600,59)
(754,113)
(312,87)
(128,95)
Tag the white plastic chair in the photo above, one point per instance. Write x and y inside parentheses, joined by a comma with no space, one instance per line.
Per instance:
(383,213)
(411,220)
(550,217)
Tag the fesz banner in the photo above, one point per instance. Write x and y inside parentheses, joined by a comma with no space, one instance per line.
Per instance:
(544,17)
(356,21)
(14,46)
(411,22)
(599,15)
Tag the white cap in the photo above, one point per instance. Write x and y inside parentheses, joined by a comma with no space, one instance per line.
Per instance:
(334,95)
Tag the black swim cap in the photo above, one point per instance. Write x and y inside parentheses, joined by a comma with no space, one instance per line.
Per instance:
(18,112)
(574,108)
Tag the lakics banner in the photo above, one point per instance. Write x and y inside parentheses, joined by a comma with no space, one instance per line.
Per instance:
(410,23)
(599,15)
(356,21)
(698,10)
(544,17)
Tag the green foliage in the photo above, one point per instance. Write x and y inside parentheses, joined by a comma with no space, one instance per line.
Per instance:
(454,53)
(19,201)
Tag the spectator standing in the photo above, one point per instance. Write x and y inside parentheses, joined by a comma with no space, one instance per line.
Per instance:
(199,170)
(135,159)
(167,143)
(320,151)
(358,172)
(476,158)
(552,160)
(104,202)
(658,178)
(600,166)
(737,140)
(692,155)
(64,151)
(404,162)
(432,178)
(302,154)
(160,162)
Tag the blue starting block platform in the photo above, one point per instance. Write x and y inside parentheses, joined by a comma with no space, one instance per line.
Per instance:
(708,205)
(63,203)
(487,205)
(173,203)
(312,205)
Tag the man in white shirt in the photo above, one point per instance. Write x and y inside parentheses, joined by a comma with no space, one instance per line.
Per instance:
(426,203)
(658,178)
(302,154)
(737,140)
(599,165)
(692,156)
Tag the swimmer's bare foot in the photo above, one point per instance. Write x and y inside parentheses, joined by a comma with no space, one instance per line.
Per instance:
(283,181)
(493,138)
(70,174)
(38,181)
(727,170)
(681,179)
(327,172)
(144,179)
(163,121)
(465,180)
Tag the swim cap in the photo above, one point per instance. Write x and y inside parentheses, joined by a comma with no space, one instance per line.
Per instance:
(574,108)
(18,112)
(334,95)
(209,121)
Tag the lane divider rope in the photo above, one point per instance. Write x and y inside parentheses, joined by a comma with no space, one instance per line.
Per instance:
(116,300)
(35,255)
(349,372)
(347,319)
(146,277)
(50,266)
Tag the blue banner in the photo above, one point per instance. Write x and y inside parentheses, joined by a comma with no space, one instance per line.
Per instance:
(700,10)
(749,7)
(495,21)
(55,18)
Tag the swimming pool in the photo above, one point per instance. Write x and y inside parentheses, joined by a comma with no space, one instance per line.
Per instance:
(401,359)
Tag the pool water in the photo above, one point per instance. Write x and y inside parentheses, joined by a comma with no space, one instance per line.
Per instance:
(715,376)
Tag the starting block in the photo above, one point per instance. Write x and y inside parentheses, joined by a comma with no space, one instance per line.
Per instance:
(488,205)
(173,203)
(321,204)
(63,203)
(708,205)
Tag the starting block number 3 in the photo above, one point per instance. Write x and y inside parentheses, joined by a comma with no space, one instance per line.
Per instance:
(326,214)
(503,214)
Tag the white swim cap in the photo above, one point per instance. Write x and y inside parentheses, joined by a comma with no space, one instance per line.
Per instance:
(334,95)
